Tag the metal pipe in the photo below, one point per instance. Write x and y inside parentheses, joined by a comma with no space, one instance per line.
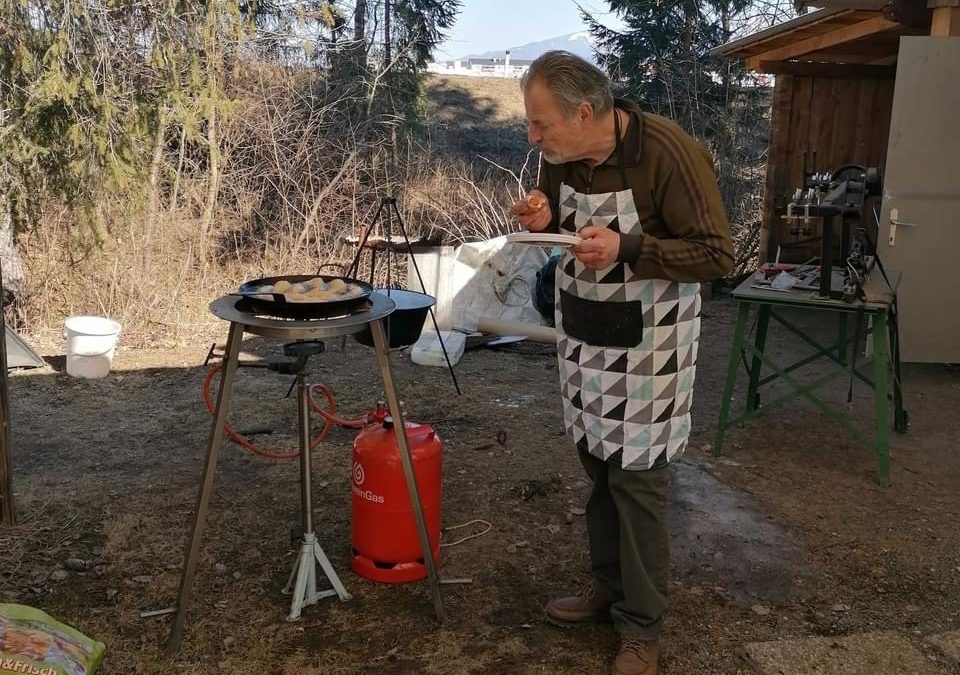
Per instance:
(231,358)
(8,512)
(826,257)
(305,470)
(399,426)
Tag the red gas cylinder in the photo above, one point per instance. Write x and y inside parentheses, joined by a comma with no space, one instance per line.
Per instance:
(385,543)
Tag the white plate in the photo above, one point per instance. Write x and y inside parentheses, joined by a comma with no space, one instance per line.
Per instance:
(543,239)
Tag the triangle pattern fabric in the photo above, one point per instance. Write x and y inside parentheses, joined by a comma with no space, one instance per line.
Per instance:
(669,317)
(615,435)
(667,340)
(593,406)
(688,309)
(618,365)
(608,207)
(595,362)
(584,273)
(609,450)
(613,293)
(640,437)
(636,458)
(593,386)
(667,292)
(670,367)
(577,401)
(643,365)
(618,389)
(616,275)
(664,436)
(616,413)
(665,415)
(667,389)
(628,405)
(644,415)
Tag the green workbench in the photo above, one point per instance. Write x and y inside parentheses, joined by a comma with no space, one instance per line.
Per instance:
(875,317)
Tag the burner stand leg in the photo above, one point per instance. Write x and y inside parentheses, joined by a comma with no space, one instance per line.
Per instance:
(383,359)
(303,578)
(231,358)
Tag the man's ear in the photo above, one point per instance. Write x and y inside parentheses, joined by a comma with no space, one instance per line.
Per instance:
(584,112)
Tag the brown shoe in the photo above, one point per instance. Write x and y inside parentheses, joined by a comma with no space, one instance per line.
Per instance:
(591,604)
(636,657)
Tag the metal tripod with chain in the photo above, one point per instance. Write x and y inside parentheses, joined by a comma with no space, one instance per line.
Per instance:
(388,209)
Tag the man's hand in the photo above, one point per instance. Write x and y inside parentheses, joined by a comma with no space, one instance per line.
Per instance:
(533,213)
(599,248)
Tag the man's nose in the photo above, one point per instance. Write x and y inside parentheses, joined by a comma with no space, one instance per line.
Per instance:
(533,136)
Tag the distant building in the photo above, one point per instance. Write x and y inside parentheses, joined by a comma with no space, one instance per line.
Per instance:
(486,67)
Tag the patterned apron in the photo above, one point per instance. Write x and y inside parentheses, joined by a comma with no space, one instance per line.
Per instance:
(627,346)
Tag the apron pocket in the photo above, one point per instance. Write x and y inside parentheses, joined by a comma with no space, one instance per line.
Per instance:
(602,324)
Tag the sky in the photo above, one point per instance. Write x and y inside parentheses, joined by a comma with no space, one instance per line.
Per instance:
(485,25)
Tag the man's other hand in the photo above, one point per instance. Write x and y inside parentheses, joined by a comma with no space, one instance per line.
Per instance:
(533,213)
(599,248)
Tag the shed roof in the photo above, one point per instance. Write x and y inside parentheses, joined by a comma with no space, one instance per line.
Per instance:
(859,32)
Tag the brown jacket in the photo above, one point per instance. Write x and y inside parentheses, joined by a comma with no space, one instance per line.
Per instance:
(686,236)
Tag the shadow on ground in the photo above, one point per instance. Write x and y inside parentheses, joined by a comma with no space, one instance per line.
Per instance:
(786,535)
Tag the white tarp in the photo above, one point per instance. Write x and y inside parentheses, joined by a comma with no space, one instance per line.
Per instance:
(490,278)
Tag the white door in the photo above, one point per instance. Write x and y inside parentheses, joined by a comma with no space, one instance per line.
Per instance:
(920,214)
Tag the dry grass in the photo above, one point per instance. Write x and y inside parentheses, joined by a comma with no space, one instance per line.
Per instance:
(296,183)
(294,187)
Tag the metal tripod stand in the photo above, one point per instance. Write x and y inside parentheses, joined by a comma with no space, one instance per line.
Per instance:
(303,578)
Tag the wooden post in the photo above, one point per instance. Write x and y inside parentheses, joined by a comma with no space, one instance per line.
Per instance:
(946,18)
(8,514)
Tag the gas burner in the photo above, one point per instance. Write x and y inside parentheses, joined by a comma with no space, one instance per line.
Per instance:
(246,307)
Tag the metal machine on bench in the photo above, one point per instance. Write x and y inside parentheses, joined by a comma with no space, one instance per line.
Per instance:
(831,195)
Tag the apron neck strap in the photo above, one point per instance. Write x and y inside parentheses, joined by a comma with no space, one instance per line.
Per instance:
(620,160)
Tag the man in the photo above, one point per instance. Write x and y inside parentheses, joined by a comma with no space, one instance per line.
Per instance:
(643,197)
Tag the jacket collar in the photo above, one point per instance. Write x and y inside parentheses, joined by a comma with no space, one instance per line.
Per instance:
(631,134)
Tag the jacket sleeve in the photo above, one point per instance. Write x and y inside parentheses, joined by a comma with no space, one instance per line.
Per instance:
(699,247)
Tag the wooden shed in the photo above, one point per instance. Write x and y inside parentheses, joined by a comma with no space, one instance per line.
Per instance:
(872,83)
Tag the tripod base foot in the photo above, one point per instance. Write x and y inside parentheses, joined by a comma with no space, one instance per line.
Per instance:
(303,578)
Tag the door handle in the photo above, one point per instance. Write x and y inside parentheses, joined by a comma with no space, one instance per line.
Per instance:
(895,222)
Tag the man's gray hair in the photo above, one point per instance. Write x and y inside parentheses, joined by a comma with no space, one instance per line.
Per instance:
(572,80)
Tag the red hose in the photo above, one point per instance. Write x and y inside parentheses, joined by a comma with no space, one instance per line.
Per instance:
(329,417)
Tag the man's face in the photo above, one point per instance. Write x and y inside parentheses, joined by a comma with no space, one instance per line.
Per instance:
(549,127)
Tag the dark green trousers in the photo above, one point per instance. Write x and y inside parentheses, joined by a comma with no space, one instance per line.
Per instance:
(629,542)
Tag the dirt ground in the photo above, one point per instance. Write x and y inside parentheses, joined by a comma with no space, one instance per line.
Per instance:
(787,534)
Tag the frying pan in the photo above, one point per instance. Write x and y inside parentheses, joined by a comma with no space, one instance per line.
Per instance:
(276,304)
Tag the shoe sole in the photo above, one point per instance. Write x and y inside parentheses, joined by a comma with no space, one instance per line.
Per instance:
(560,623)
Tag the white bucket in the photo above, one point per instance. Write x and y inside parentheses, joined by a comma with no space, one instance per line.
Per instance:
(91,344)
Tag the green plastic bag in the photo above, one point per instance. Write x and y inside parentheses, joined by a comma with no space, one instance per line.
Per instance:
(34,643)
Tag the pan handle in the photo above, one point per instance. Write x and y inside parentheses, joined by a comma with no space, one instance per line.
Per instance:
(279,298)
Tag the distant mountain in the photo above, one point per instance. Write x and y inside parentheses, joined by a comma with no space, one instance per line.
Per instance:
(580,44)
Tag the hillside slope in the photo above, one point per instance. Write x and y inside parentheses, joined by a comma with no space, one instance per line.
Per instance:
(469,117)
